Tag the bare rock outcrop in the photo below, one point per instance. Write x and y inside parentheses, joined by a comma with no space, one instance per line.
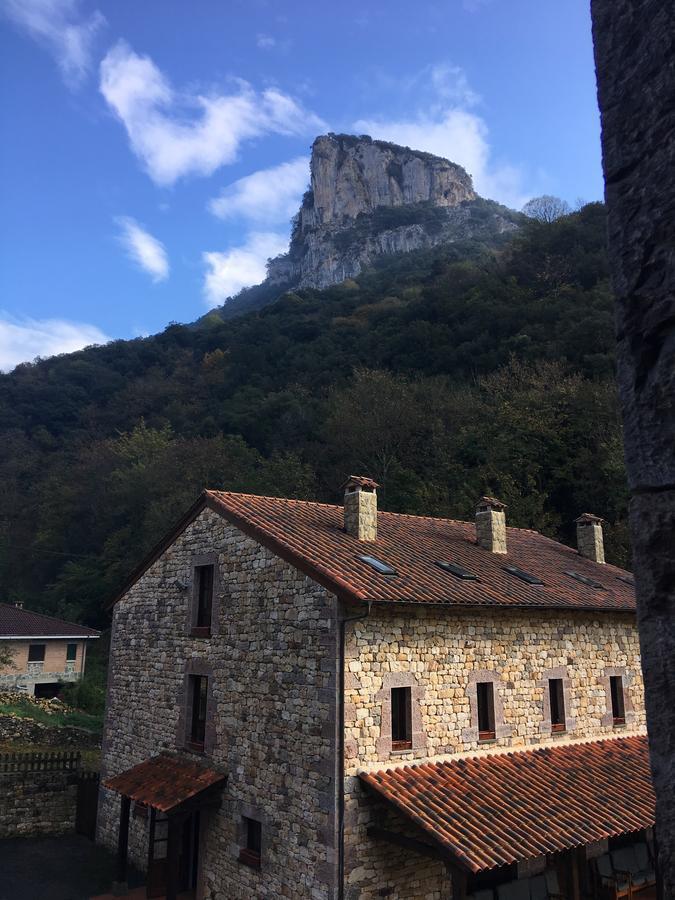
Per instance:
(368,198)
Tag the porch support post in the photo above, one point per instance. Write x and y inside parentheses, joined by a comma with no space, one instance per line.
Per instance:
(120,887)
(172,857)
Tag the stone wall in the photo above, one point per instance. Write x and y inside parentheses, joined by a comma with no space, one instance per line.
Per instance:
(273,655)
(37,803)
(441,654)
(17,730)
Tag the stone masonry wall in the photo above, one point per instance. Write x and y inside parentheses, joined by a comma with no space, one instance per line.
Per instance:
(37,803)
(441,654)
(272,716)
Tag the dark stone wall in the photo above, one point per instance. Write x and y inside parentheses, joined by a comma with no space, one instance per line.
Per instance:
(37,803)
(635,63)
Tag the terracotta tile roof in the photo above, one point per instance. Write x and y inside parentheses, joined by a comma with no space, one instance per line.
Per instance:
(311,536)
(164,782)
(16,622)
(494,810)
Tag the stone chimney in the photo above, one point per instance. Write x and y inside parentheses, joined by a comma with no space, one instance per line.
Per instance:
(18,604)
(361,507)
(491,525)
(589,537)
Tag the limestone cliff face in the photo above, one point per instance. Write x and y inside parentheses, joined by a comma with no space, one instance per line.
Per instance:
(369,198)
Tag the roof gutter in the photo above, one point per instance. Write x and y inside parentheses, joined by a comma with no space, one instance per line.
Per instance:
(49,637)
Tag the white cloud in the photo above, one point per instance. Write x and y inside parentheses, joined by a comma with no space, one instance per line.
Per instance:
(144,249)
(230,271)
(21,340)
(449,127)
(59,27)
(176,135)
(265,41)
(269,196)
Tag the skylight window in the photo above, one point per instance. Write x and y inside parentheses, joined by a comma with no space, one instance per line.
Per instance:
(379,566)
(457,570)
(589,582)
(626,579)
(524,576)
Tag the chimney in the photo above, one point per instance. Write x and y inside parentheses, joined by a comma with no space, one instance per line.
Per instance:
(491,525)
(361,507)
(18,604)
(589,537)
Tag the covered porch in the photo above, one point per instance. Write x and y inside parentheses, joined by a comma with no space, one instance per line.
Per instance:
(173,794)
(568,822)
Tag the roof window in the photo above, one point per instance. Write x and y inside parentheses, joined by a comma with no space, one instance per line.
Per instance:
(457,570)
(379,566)
(626,579)
(524,576)
(584,579)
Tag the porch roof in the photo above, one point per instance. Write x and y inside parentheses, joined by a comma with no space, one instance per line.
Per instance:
(494,810)
(164,782)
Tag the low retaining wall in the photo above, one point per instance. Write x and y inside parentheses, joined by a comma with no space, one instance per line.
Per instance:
(18,730)
(38,793)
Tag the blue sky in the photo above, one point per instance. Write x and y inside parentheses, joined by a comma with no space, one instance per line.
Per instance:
(153,153)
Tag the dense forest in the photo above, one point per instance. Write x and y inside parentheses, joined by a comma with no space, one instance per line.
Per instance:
(443,374)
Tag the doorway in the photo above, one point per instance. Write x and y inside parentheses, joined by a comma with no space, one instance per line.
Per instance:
(187,868)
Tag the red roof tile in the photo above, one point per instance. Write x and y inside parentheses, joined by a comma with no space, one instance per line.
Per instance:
(16,622)
(312,536)
(494,810)
(164,782)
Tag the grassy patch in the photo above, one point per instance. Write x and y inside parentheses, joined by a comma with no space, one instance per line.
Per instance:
(58,719)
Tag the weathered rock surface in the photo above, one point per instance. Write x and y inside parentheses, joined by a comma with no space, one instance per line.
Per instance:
(635,62)
(370,198)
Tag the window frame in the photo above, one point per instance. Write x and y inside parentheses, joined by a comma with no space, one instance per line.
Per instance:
(251,834)
(198,687)
(196,666)
(556,699)
(485,710)
(72,658)
(43,647)
(401,719)
(502,729)
(198,626)
(618,699)
(569,724)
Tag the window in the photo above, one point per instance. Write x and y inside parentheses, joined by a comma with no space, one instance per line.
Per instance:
(557,700)
(401,719)
(486,710)
(458,571)
(618,705)
(584,579)
(251,852)
(36,653)
(203,600)
(524,576)
(71,652)
(379,566)
(198,687)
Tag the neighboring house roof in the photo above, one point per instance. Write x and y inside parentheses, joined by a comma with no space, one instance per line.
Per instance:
(165,782)
(311,536)
(24,623)
(495,810)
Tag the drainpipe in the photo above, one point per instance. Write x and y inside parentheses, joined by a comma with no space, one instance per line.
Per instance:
(341,750)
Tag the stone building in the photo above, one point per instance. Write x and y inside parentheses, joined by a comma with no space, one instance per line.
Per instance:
(318,701)
(44,652)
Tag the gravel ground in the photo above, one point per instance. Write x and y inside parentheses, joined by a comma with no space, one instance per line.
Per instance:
(69,867)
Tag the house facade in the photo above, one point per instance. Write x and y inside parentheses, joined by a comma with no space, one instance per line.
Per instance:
(44,652)
(317,701)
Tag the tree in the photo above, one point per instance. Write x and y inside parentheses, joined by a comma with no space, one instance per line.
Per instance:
(6,657)
(546,208)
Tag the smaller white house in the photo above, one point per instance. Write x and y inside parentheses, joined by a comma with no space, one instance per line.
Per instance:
(43,651)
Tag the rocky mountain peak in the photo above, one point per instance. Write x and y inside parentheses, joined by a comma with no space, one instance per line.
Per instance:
(368,198)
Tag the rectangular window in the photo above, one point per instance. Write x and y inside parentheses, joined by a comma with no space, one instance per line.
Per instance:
(486,710)
(204,599)
(198,686)
(618,706)
(557,699)
(251,852)
(401,719)
(36,653)
(71,652)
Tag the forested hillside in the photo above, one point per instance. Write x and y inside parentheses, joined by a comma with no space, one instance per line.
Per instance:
(444,375)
